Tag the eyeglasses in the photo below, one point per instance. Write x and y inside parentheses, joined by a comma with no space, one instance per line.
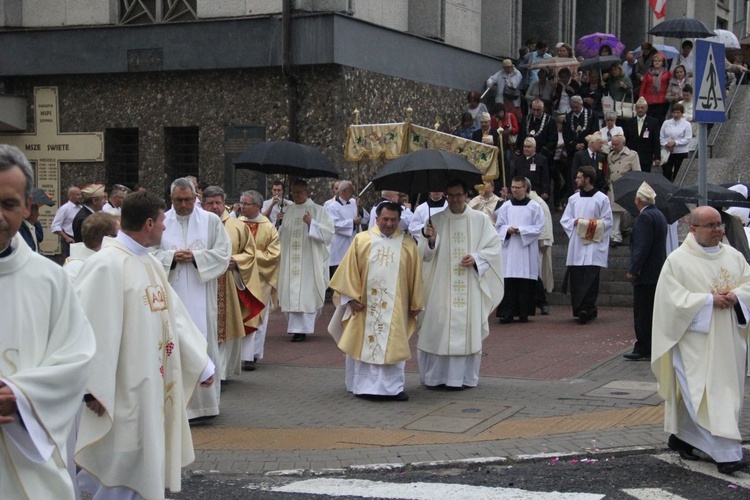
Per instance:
(711,225)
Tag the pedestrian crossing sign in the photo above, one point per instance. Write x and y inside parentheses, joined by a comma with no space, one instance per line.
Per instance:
(710,91)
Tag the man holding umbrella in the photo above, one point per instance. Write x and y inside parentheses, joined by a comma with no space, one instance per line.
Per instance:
(648,251)
(463,283)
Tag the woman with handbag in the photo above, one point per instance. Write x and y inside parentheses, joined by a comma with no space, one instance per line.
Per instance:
(543,89)
(654,88)
(620,89)
(675,137)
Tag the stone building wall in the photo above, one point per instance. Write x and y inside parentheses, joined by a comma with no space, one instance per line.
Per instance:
(214,100)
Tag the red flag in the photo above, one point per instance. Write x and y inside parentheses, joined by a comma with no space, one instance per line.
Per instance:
(659,7)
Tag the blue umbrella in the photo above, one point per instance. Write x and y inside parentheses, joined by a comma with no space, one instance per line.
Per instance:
(669,51)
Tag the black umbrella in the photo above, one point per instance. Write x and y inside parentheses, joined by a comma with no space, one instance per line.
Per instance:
(684,27)
(626,187)
(426,170)
(599,63)
(289,158)
(730,184)
(717,196)
(39,197)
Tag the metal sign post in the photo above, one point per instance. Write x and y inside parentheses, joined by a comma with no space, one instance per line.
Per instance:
(708,102)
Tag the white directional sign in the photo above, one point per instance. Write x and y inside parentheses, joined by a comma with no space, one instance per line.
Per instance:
(710,92)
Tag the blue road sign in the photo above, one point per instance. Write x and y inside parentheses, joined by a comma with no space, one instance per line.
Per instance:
(710,93)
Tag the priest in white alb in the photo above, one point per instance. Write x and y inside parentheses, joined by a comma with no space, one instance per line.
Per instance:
(587,221)
(134,436)
(306,232)
(519,223)
(239,292)
(699,343)
(379,283)
(195,251)
(463,282)
(46,347)
(347,217)
(267,254)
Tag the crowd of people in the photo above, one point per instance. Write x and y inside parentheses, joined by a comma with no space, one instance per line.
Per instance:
(156,310)
(645,97)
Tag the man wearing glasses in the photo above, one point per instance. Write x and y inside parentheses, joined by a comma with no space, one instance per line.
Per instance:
(463,281)
(699,349)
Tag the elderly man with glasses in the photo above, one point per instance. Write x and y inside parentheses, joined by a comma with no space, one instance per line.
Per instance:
(699,346)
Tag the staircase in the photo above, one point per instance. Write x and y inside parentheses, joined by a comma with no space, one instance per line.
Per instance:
(729,163)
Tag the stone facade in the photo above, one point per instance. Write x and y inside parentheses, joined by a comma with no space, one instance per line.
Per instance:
(215,100)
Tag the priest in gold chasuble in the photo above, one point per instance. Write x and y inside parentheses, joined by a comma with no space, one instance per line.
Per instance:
(379,286)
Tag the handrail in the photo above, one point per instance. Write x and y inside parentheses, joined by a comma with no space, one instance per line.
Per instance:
(716,134)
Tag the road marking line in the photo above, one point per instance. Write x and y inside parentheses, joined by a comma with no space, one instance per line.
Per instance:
(421,491)
(651,494)
(741,479)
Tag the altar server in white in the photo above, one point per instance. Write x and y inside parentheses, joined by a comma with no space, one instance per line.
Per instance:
(519,223)
(46,345)
(435,204)
(134,436)
(587,221)
(463,282)
(347,219)
(195,250)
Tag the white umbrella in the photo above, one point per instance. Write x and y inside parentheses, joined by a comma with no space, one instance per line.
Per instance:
(725,37)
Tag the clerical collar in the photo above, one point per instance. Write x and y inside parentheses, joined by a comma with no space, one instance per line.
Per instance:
(132,245)
(587,194)
(181,218)
(435,204)
(342,201)
(255,219)
(523,202)
(8,250)
(713,249)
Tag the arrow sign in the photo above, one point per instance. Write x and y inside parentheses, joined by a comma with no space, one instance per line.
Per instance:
(710,91)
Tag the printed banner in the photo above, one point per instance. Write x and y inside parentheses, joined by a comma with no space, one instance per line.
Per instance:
(387,141)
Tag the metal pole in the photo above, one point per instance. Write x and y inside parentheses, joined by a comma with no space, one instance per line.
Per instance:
(702,164)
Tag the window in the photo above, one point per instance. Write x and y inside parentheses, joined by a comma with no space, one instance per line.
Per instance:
(722,24)
(157,11)
(121,156)
(181,150)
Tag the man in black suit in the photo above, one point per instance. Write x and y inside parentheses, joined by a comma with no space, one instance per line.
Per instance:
(642,136)
(486,133)
(542,128)
(533,166)
(591,155)
(648,251)
(579,123)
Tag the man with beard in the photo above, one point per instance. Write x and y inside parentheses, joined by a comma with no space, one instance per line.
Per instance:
(587,221)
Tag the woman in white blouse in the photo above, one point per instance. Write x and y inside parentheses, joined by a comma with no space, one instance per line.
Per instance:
(675,138)
(609,131)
